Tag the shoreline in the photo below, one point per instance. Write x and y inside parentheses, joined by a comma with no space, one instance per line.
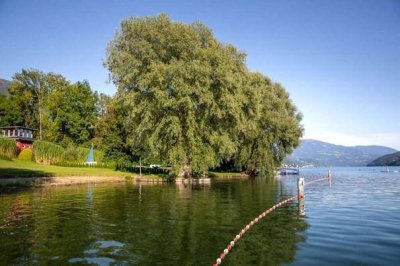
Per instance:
(79,180)
(60,180)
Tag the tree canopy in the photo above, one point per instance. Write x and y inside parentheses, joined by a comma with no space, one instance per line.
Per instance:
(62,112)
(190,100)
(184,98)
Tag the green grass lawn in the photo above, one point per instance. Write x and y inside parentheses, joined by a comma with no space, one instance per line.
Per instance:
(16,168)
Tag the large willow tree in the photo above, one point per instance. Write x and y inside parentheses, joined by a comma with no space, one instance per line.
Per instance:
(191,100)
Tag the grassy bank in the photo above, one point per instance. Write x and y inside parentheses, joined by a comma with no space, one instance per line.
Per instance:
(228,174)
(16,168)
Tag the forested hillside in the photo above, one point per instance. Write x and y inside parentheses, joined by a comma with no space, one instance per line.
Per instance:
(320,153)
(387,160)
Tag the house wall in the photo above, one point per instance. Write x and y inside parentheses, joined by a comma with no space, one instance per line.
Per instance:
(23,144)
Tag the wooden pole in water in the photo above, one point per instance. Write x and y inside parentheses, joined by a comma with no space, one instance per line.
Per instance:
(300,187)
(330,178)
(300,193)
(302,209)
(140,166)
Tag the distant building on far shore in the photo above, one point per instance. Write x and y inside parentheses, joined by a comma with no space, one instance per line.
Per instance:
(23,136)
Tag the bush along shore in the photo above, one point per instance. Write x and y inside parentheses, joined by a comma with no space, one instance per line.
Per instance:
(52,164)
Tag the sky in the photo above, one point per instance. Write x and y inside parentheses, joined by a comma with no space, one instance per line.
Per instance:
(339,60)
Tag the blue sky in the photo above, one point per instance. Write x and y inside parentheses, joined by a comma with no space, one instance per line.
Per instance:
(339,60)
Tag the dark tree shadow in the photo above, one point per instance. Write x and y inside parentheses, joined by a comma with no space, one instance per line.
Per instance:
(14,180)
(21,173)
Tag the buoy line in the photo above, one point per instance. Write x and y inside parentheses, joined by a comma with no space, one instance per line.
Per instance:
(316,180)
(300,196)
(247,228)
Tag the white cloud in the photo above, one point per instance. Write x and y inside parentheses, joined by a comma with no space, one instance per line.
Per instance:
(391,140)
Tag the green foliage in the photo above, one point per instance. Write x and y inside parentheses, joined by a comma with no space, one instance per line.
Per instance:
(181,88)
(66,112)
(71,154)
(9,114)
(187,99)
(8,148)
(112,134)
(28,91)
(17,168)
(50,153)
(26,155)
(47,152)
(272,129)
(183,98)
(79,154)
(73,112)
(145,170)
(110,165)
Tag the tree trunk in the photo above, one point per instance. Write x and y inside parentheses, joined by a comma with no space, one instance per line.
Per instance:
(186,170)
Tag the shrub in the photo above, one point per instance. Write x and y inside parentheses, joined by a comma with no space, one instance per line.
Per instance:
(79,154)
(71,154)
(143,169)
(83,153)
(8,149)
(26,155)
(47,152)
(98,156)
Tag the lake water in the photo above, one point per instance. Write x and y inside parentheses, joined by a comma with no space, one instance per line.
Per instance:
(355,221)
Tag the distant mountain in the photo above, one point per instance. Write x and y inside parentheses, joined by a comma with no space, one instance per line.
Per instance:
(387,160)
(4,84)
(320,153)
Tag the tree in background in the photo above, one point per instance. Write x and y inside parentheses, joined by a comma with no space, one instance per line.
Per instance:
(63,112)
(190,100)
(71,114)
(9,112)
(29,92)
(111,134)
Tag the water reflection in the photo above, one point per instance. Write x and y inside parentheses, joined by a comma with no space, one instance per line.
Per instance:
(146,225)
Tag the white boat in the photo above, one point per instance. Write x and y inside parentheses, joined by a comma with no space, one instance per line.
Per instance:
(288,171)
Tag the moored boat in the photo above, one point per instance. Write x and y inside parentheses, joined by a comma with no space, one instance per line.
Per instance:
(288,171)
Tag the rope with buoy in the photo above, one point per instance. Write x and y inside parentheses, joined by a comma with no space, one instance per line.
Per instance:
(316,180)
(247,228)
(300,196)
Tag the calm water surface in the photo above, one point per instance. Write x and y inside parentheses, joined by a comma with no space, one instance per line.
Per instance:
(356,221)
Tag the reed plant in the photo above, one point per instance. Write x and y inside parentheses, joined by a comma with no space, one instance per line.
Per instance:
(47,152)
(8,148)
(110,165)
(83,153)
